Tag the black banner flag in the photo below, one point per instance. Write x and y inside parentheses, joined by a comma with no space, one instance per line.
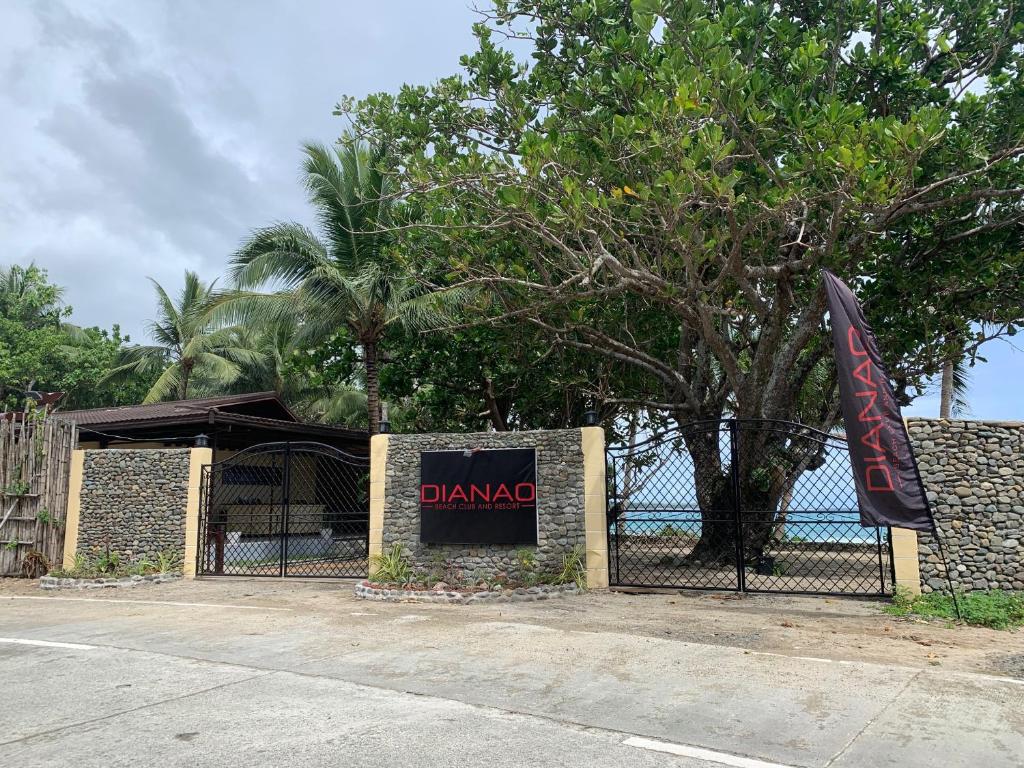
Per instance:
(889,489)
(479,497)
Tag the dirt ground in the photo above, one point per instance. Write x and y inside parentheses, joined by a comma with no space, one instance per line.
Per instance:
(846,629)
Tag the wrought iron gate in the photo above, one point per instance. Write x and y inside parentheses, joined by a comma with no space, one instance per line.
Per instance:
(742,505)
(285,509)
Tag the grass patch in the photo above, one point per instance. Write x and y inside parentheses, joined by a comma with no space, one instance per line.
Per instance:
(995,609)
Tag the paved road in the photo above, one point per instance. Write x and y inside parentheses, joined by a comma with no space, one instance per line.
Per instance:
(120,682)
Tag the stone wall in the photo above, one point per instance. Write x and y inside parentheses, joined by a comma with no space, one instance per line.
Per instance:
(560,500)
(973,472)
(133,501)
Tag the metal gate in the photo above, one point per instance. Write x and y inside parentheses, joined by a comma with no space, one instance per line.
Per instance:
(285,509)
(742,505)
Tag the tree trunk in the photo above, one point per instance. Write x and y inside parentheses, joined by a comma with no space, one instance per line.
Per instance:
(713,486)
(946,398)
(186,373)
(761,487)
(493,409)
(372,385)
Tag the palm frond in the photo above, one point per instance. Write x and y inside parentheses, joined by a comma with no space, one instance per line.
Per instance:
(217,368)
(282,252)
(341,405)
(166,387)
(961,386)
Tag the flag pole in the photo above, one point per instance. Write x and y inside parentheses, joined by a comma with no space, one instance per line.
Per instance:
(949,577)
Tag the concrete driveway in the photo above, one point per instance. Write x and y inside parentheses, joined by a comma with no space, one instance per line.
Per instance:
(268,673)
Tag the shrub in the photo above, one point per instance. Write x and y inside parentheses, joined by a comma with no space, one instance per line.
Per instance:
(109,565)
(574,568)
(169,561)
(392,566)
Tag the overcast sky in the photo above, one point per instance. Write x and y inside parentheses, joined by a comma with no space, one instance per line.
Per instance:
(145,138)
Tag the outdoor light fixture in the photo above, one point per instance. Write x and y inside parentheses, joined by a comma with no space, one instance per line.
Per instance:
(202,441)
(590,418)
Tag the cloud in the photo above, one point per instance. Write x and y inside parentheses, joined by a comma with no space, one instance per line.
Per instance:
(144,139)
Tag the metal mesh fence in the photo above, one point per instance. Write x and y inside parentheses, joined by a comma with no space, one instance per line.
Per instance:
(742,505)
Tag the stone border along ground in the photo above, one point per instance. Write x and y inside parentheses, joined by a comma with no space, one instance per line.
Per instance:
(366,591)
(57,582)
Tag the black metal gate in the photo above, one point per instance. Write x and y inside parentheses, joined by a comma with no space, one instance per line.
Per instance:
(742,505)
(285,509)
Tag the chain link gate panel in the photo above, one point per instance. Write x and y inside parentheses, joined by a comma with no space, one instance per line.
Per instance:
(742,505)
(285,509)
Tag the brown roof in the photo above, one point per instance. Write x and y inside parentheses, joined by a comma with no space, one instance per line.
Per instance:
(304,428)
(177,411)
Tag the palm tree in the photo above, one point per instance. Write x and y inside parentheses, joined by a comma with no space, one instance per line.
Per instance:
(191,353)
(275,348)
(956,381)
(348,277)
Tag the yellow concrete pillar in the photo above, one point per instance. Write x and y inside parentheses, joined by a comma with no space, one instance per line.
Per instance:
(74,507)
(594,507)
(197,459)
(904,560)
(378,467)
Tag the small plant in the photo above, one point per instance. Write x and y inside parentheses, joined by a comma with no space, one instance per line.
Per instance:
(902,600)
(574,568)
(168,561)
(142,567)
(17,488)
(392,566)
(11,545)
(526,565)
(452,573)
(669,530)
(44,516)
(498,581)
(526,558)
(108,562)
(421,576)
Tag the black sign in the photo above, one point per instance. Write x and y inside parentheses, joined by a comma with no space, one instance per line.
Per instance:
(478,497)
(889,489)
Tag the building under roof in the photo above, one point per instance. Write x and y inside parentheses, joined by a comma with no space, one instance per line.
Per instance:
(230,422)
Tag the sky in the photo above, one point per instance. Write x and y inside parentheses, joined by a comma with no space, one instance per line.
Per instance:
(142,139)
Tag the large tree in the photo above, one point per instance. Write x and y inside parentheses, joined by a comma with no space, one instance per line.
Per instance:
(675,175)
(40,349)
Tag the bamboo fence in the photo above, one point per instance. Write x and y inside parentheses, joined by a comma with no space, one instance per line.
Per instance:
(35,464)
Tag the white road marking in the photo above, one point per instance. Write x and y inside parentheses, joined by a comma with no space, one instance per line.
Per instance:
(47,644)
(147,602)
(683,750)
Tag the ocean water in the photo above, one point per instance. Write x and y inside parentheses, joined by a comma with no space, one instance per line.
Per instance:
(822,506)
(832,527)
